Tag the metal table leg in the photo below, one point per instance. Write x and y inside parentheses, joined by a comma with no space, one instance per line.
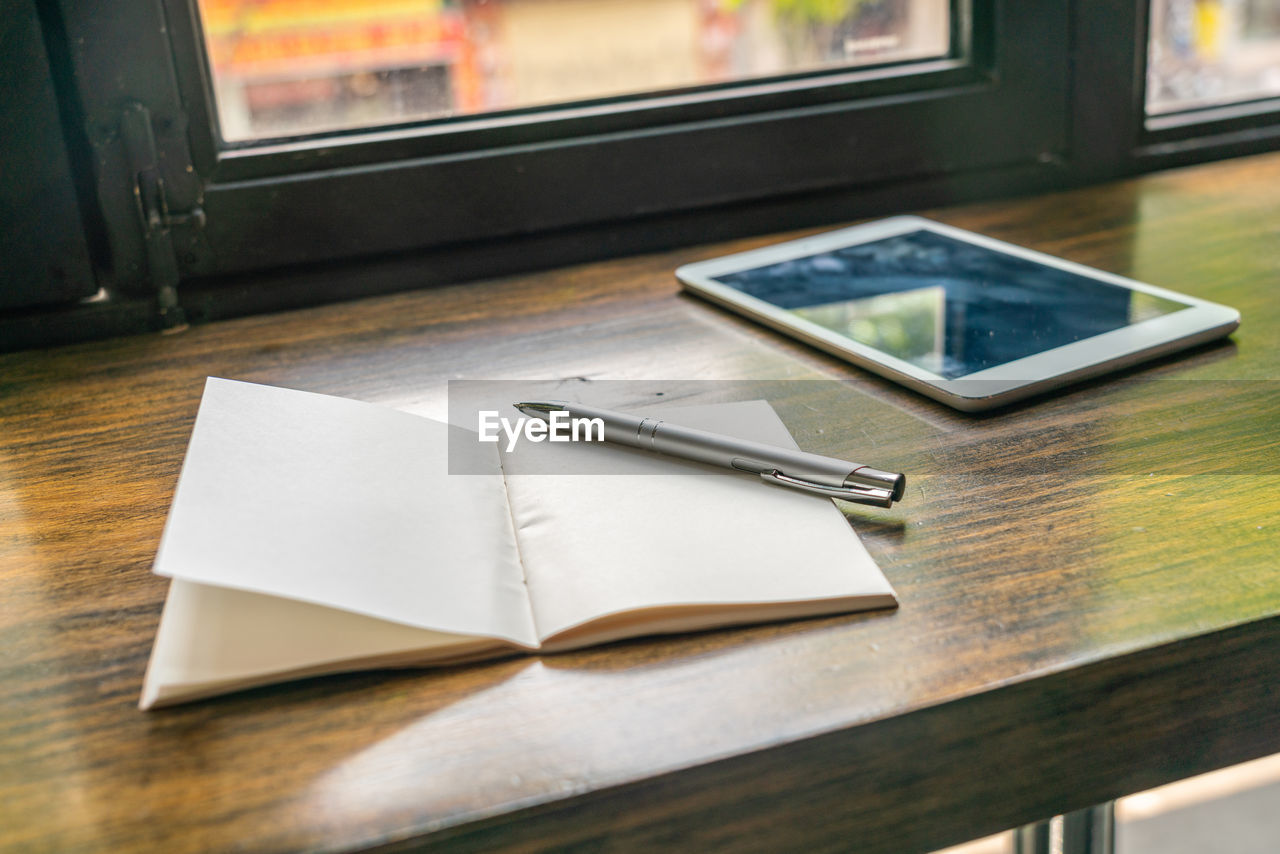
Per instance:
(1087,831)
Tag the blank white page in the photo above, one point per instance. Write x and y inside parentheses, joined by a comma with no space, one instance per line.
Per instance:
(345,504)
(216,639)
(650,536)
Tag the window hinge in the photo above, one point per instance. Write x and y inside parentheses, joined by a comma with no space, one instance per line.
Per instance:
(154,214)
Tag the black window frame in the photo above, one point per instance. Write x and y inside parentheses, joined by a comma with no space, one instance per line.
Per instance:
(1048,94)
(419,187)
(1113,135)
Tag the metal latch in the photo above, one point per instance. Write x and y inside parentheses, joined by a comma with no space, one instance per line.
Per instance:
(154,213)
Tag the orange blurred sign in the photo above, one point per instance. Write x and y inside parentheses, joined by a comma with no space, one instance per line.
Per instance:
(291,38)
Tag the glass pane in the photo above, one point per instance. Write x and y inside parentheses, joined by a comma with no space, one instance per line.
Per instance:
(284,67)
(1206,53)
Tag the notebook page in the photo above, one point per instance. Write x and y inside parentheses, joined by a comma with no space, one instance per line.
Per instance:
(645,538)
(217,639)
(345,504)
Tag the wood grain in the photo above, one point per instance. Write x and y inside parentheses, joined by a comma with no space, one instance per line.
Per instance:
(1090,583)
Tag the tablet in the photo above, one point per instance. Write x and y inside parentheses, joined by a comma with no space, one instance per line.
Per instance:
(967,320)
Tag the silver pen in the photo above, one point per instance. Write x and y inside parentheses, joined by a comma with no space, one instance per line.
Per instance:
(795,469)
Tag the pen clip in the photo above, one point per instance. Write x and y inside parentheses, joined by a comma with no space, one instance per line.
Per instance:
(859,494)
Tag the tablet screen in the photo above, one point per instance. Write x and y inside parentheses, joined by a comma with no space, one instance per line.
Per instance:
(945,305)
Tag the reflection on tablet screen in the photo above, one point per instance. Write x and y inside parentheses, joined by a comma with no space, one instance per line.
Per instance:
(950,307)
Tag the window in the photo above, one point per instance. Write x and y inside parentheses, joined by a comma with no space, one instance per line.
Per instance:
(996,98)
(284,67)
(1210,53)
(234,156)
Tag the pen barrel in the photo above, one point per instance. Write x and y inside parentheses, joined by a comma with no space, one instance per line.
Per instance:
(688,443)
(619,427)
(713,448)
(756,457)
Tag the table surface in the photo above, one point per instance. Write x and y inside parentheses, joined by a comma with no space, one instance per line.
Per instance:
(1089,583)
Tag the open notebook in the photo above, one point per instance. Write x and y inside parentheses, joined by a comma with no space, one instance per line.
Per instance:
(312,534)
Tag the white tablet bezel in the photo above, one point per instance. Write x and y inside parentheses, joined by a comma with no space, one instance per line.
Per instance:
(1201,321)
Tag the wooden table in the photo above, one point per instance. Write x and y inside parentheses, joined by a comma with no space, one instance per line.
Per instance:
(1090,583)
